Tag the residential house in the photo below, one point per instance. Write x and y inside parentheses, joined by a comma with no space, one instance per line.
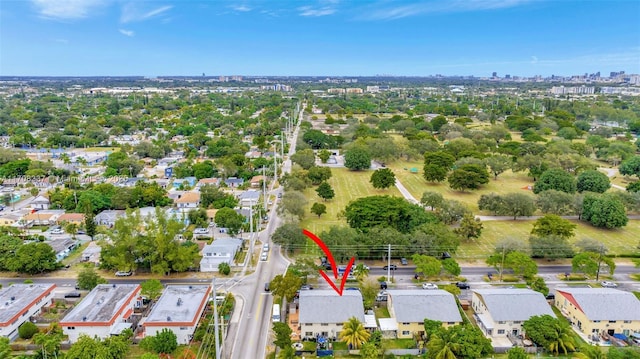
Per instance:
(43,217)
(323,312)
(594,311)
(90,158)
(208,181)
(249,198)
(188,200)
(62,246)
(75,218)
(162,182)
(501,312)
(104,312)
(189,182)
(410,308)
(256,181)
(222,250)
(14,218)
(253,154)
(131,182)
(234,182)
(40,202)
(108,217)
(20,302)
(91,254)
(178,309)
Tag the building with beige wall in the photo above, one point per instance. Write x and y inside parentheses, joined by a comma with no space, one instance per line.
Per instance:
(501,312)
(411,307)
(323,312)
(594,311)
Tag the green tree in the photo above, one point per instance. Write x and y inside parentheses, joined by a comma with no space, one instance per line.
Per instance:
(555,179)
(427,265)
(285,286)
(432,199)
(550,247)
(451,266)
(325,191)
(224,268)
(289,236)
(165,342)
(294,203)
(498,164)
(230,219)
(431,327)
(552,224)
(591,263)
(631,167)
(623,353)
(318,175)
(360,271)
(521,264)
(305,158)
(88,278)
(324,155)
(556,202)
(434,173)
(282,333)
(469,176)
(369,351)
(590,352)
(5,348)
(383,178)
(517,204)
(27,330)
(367,212)
(318,209)
(491,202)
(539,285)
(562,339)
(592,181)
(354,333)
(470,227)
(604,211)
(357,158)
(151,288)
(539,329)
(517,353)
(34,258)
(443,345)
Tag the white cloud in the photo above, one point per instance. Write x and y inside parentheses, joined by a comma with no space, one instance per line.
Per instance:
(242,8)
(309,11)
(131,13)
(66,9)
(129,33)
(62,41)
(440,6)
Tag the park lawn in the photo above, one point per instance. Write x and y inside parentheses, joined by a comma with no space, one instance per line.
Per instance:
(507,182)
(348,186)
(618,241)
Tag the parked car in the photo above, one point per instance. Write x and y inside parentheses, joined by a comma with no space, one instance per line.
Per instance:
(607,284)
(57,231)
(429,286)
(265,247)
(445,255)
(463,285)
(266,287)
(264,256)
(201,231)
(383,285)
(352,288)
(123,273)
(73,295)
(550,296)
(306,287)
(391,267)
(404,261)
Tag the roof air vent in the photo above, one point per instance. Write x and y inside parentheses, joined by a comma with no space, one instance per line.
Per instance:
(13,298)
(84,319)
(179,302)
(168,319)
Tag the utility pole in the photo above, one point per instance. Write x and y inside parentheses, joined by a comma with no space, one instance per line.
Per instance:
(264,189)
(389,263)
(215,316)
(599,261)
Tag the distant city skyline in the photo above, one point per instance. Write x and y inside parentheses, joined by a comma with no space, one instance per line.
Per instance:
(318,38)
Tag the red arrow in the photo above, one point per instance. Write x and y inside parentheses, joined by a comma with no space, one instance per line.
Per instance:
(329,256)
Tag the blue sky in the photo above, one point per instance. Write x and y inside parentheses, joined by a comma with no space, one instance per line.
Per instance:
(320,37)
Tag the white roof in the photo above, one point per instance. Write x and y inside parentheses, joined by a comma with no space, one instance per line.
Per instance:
(370,321)
(388,324)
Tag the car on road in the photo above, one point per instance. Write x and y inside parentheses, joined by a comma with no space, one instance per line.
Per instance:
(201,231)
(123,273)
(607,284)
(266,287)
(390,267)
(429,286)
(383,285)
(279,194)
(404,261)
(73,295)
(463,285)
(306,287)
(57,231)
(352,288)
(264,256)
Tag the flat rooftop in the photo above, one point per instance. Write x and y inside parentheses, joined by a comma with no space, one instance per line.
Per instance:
(102,304)
(179,304)
(18,297)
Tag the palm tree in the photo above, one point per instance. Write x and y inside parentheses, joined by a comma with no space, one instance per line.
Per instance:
(360,272)
(590,352)
(354,333)
(442,345)
(562,339)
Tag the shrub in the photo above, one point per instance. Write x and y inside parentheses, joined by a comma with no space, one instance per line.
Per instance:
(27,330)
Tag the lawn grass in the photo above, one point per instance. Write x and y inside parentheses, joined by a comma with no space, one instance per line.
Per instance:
(382,312)
(398,343)
(507,182)
(348,186)
(618,241)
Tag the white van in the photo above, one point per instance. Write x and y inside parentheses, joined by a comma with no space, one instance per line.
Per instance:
(265,247)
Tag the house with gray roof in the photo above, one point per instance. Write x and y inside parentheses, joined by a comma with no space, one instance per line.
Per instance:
(323,312)
(104,312)
(222,250)
(600,311)
(179,309)
(249,198)
(500,312)
(108,217)
(410,308)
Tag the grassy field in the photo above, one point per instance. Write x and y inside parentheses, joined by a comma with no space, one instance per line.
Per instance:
(348,186)
(416,184)
(618,241)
